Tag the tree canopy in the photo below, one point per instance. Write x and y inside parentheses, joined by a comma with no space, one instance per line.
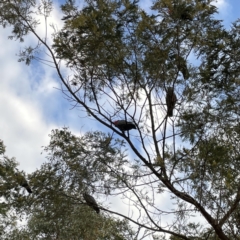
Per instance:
(56,209)
(122,60)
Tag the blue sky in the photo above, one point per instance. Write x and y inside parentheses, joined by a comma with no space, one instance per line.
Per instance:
(31,106)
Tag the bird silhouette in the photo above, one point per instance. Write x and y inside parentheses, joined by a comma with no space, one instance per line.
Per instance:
(91,202)
(23,182)
(171,100)
(124,125)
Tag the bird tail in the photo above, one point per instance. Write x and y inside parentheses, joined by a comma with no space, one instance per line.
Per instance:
(170,112)
(29,189)
(97,211)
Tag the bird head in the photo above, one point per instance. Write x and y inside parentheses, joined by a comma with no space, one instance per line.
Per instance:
(115,122)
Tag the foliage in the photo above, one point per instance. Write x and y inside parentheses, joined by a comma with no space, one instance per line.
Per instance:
(13,200)
(56,208)
(122,59)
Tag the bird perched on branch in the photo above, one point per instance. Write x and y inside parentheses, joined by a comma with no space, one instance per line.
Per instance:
(181,64)
(91,202)
(23,182)
(181,11)
(124,125)
(186,16)
(171,100)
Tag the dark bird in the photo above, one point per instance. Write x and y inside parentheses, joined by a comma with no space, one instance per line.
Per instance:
(66,17)
(91,202)
(171,100)
(181,64)
(181,11)
(124,125)
(184,70)
(23,182)
(187,13)
(186,16)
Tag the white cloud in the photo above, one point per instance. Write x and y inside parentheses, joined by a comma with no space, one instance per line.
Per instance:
(30,104)
(24,101)
(22,125)
(220,3)
(30,107)
(224,8)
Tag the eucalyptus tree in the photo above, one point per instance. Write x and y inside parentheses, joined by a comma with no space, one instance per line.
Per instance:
(121,59)
(13,197)
(59,209)
(56,209)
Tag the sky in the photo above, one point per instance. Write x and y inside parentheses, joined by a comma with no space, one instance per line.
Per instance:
(31,104)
